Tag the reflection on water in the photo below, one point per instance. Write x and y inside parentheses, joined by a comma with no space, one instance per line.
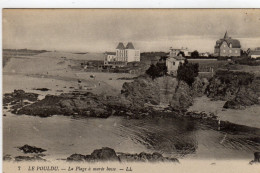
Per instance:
(62,136)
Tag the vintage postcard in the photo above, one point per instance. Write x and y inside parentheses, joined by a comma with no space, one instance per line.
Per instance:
(131,90)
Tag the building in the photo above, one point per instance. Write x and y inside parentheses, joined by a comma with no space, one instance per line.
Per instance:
(122,56)
(254,53)
(205,54)
(173,61)
(227,47)
(179,52)
(172,64)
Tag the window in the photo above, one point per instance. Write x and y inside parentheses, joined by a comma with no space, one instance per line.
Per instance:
(173,63)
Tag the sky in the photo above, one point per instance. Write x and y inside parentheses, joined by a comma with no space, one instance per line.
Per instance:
(100,30)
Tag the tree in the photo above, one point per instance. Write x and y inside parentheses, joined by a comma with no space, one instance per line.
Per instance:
(157,70)
(181,53)
(195,54)
(187,72)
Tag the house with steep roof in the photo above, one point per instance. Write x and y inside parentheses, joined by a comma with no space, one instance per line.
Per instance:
(227,47)
(123,55)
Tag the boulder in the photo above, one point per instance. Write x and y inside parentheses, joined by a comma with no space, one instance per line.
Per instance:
(104,154)
(31,149)
(244,97)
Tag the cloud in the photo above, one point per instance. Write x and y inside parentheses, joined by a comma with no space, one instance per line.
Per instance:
(101,29)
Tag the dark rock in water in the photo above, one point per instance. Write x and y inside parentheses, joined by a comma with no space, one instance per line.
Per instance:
(145,157)
(16,99)
(76,157)
(18,95)
(108,154)
(31,149)
(7,157)
(257,157)
(28,158)
(42,89)
(83,104)
(104,154)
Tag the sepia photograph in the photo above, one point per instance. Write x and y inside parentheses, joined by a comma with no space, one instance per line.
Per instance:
(129,86)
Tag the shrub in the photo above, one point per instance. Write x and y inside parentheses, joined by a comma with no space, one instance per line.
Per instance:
(187,72)
(157,70)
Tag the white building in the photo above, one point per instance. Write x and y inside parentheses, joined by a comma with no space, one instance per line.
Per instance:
(123,55)
(174,60)
(172,64)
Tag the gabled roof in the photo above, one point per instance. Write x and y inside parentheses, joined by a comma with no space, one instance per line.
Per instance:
(130,45)
(120,46)
(235,43)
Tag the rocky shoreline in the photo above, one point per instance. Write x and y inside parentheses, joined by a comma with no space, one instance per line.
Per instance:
(144,97)
(104,154)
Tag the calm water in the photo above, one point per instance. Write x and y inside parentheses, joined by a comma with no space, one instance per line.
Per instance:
(62,136)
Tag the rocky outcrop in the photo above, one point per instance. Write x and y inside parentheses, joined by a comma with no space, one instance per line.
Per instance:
(7,157)
(140,98)
(31,149)
(83,104)
(163,90)
(244,97)
(28,158)
(256,158)
(18,99)
(142,90)
(237,88)
(108,154)
(145,157)
(104,154)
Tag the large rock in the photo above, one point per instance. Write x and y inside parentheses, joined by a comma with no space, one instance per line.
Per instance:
(142,90)
(108,154)
(83,104)
(104,154)
(18,99)
(31,149)
(244,97)
(225,84)
(239,89)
